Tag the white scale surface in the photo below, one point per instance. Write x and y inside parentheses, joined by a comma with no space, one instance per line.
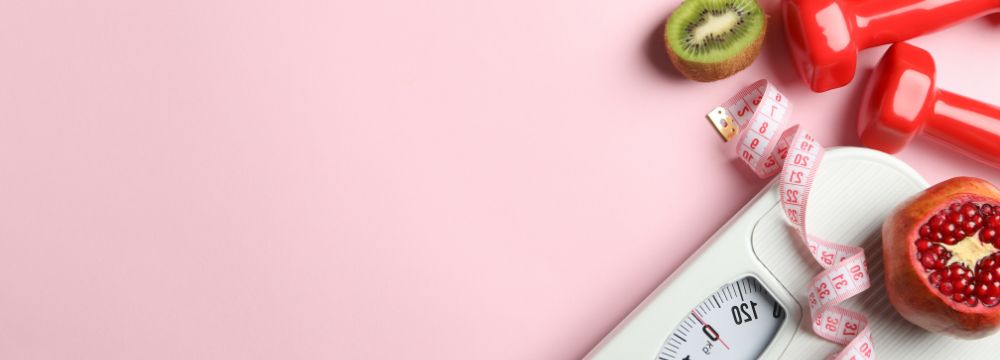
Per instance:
(855,189)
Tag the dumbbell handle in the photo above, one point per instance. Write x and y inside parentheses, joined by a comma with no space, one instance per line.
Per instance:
(970,125)
(888,21)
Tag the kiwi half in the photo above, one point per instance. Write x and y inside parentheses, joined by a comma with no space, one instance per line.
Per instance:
(708,40)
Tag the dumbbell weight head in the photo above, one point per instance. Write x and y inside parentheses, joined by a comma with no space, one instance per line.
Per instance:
(819,35)
(898,99)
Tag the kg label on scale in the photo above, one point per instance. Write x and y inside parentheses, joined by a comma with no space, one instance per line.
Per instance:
(736,322)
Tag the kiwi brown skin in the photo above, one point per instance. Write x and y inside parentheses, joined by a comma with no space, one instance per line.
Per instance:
(707,72)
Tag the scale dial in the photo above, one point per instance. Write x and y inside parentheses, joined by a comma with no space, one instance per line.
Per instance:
(736,322)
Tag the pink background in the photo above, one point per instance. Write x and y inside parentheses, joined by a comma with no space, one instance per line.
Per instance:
(298,179)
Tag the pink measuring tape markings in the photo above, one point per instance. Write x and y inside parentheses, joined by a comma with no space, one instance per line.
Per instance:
(756,115)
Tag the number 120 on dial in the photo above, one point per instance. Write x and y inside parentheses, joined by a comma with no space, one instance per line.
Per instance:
(736,322)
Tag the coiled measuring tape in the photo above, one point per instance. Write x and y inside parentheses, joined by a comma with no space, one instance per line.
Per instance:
(756,117)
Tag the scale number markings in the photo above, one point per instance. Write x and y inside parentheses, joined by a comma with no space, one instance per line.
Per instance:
(736,322)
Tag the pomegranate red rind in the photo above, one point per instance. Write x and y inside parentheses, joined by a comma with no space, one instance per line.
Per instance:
(913,291)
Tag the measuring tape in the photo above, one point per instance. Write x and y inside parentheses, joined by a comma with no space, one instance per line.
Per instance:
(756,115)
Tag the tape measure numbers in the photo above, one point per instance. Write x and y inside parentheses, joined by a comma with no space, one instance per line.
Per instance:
(756,117)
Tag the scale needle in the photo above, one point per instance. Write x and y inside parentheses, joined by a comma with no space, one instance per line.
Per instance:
(713,329)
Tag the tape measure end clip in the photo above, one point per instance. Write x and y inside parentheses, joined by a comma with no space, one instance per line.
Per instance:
(723,123)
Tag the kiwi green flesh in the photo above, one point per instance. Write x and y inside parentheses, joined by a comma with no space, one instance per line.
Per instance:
(710,31)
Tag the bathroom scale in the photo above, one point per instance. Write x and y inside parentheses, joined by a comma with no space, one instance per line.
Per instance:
(742,295)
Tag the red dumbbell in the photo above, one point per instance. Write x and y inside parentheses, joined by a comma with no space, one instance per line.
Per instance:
(901,100)
(825,35)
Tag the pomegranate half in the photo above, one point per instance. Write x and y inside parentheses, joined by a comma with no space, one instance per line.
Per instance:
(942,258)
